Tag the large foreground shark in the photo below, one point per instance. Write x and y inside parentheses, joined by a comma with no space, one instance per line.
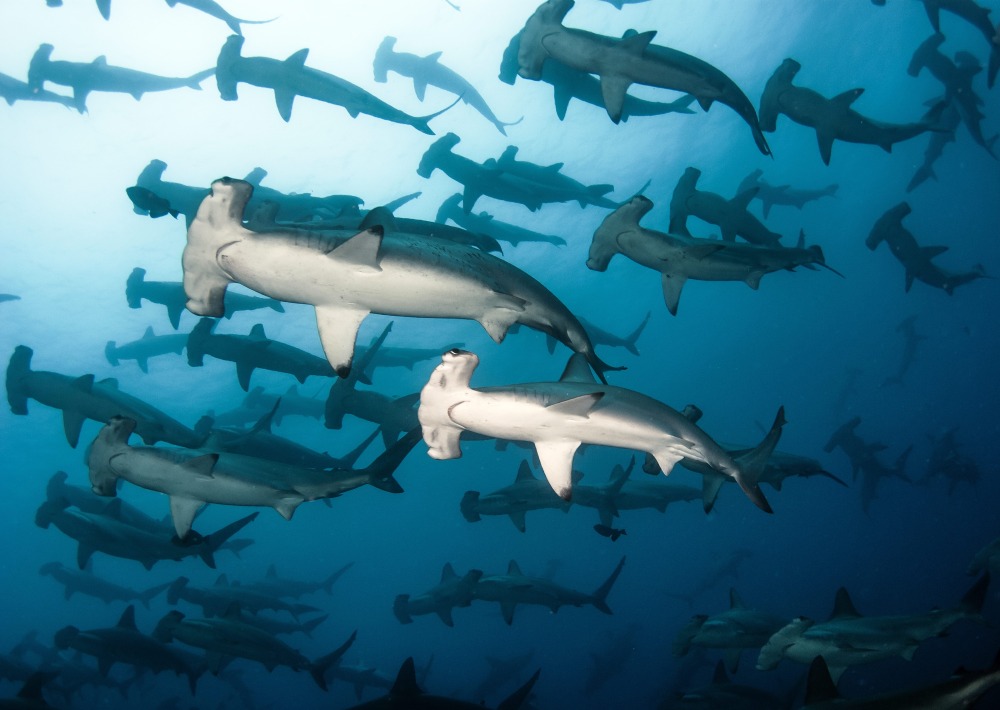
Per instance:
(558,416)
(622,62)
(368,273)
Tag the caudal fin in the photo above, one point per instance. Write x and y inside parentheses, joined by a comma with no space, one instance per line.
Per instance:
(751,465)
(318,669)
(380,470)
(600,596)
(631,338)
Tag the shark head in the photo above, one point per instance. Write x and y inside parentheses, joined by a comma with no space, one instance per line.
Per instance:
(455,370)
(36,69)
(788,69)
(430,159)
(228,57)
(227,202)
(624,219)
(554,10)
(109,442)
(382,56)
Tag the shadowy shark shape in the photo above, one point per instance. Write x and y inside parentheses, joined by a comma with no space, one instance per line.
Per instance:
(771,195)
(150,345)
(730,216)
(485,223)
(524,494)
(450,592)
(864,460)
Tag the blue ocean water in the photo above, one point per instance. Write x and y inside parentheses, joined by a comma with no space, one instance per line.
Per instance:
(70,239)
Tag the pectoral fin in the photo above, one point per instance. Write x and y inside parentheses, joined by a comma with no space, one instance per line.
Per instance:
(338,332)
(183,510)
(244,369)
(613,91)
(672,285)
(577,406)
(556,458)
(283,99)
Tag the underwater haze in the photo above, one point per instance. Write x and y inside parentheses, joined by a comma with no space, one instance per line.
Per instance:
(897,524)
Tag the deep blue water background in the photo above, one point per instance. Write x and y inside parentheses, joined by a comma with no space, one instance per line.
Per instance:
(69,240)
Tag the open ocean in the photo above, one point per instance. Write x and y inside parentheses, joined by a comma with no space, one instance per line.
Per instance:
(827,348)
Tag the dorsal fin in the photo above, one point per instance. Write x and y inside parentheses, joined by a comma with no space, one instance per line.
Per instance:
(232,612)
(720,677)
(101,61)
(524,473)
(514,569)
(636,43)
(149,333)
(930,252)
(257,332)
(802,240)
(820,687)
(406,681)
(222,580)
(433,57)
(734,600)
(843,101)
(742,200)
(843,607)
(363,249)
(448,573)
(84,382)
(578,370)
(380,216)
(127,620)
(299,58)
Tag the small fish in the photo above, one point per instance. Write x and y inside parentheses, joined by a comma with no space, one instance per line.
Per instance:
(148,201)
(613,533)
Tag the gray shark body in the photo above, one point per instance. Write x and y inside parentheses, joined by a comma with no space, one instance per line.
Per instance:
(98,75)
(731,216)
(735,630)
(568,84)
(452,591)
(171,294)
(12,90)
(550,178)
(366,274)
(833,119)
(215,600)
(501,672)
(428,71)
(150,345)
(253,351)
(82,398)
(514,588)
(110,535)
(294,588)
(771,195)
(917,260)
(600,336)
(864,459)
(290,404)
(680,258)
(214,9)
(526,493)
(88,584)
(8,297)
(228,636)
(947,460)
(911,343)
(558,416)
(291,78)
(193,478)
(847,638)
(950,118)
(957,80)
(124,643)
(724,694)
(485,223)
(622,62)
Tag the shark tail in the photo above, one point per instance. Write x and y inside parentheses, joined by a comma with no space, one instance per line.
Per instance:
(632,337)
(194,81)
(310,626)
(174,590)
(213,542)
(682,642)
(469,505)
(900,468)
(318,669)
(148,595)
(600,596)
(517,699)
(421,122)
(327,584)
(18,369)
(751,465)
(380,470)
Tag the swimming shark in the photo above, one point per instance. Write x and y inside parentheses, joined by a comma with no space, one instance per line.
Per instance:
(950,118)
(524,494)
(485,223)
(730,216)
(124,643)
(501,672)
(848,638)
(171,294)
(679,258)
(397,275)
(8,297)
(405,693)
(228,635)
(291,77)
(558,416)
(568,84)
(553,180)
(429,71)
(280,627)
(962,690)
(12,90)
(515,588)
(832,118)
(947,460)
(864,460)
(291,404)
(87,583)
(733,631)
(917,260)
(724,694)
(450,592)
(622,62)
(614,654)
(771,195)
(98,75)
(193,478)
(253,351)
(514,185)
(215,600)
(214,9)
(600,336)
(987,559)
(108,534)
(82,398)
(911,341)
(150,345)
(295,588)
(956,76)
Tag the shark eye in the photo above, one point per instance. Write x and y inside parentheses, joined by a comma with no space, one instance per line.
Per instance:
(455,351)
